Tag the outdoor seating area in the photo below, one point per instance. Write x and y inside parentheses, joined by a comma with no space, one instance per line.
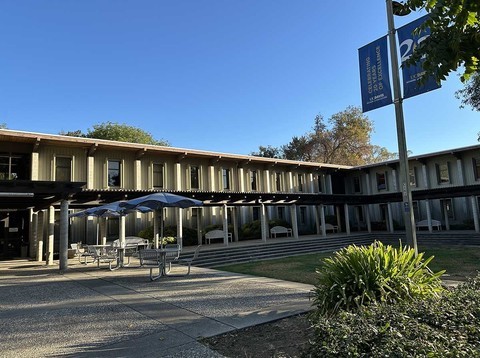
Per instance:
(330,227)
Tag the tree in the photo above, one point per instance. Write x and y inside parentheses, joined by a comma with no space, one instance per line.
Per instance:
(267,152)
(3,125)
(470,94)
(454,40)
(118,132)
(343,139)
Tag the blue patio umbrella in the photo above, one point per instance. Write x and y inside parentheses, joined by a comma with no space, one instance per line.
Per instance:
(110,210)
(158,201)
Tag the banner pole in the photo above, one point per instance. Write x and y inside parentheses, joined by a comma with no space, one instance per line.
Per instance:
(410,232)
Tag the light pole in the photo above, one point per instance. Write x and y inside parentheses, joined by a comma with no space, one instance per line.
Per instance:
(410,232)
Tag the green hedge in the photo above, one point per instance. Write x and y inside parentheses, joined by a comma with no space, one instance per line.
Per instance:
(445,326)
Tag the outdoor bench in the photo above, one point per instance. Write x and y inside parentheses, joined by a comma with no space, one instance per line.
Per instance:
(330,227)
(216,234)
(280,230)
(424,223)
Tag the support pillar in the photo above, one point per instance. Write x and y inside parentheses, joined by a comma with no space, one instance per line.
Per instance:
(390,218)
(322,220)
(63,254)
(475,213)
(40,238)
(199,226)
(338,216)
(179,213)
(445,214)
(429,215)
(293,214)
(225,224)
(318,226)
(51,235)
(347,219)
(263,224)
(235,223)
(367,218)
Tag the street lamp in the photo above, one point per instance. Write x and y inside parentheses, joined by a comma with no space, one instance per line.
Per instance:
(395,8)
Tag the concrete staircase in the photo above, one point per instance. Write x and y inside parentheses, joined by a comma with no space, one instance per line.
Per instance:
(242,252)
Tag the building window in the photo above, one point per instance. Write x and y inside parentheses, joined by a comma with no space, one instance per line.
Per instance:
(281,212)
(253,180)
(278,181)
(443,175)
(63,169)
(303,215)
(300,182)
(357,186)
(413,177)
(194,177)
(382,181)
(476,168)
(447,206)
(255,213)
(14,166)
(226,178)
(114,173)
(157,175)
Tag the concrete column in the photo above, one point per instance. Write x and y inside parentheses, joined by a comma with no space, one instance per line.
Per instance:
(179,213)
(347,219)
(34,166)
(178,176)
(329,190)
(338,217)
(102,223)
(235,223)
(137,174)
(156,234)
(426,184)
(322,220)
(367,218)
(318,226)
(211,178)
(268,187)
(63,255)
(289,182)
(90,172)
(40,235)
(293,215)
(199,225)
(225,224)
(445,215)
(474,202)
(241,180)
(394,180)
(429,215)
(121,230)
(51,235)
(263,223)
(390,218)
(33,235)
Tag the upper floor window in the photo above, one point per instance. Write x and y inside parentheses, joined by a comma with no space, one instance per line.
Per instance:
(443,175)
(412,177)
(278,181)
(253,180)
(14,166)
(63,169)
(157,175)
(357,186)
(476,168)
(114,173)
(300,182)
(194,177)
(226,178)
(382,181)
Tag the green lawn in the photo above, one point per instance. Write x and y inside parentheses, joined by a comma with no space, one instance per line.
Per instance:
(459,261)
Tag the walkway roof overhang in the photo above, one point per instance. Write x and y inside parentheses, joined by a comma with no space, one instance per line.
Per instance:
(36,195)
(90,197)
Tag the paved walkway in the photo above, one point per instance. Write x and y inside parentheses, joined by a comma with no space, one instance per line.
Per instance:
(90,312)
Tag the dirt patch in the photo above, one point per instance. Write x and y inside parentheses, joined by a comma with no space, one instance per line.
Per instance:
(287,337)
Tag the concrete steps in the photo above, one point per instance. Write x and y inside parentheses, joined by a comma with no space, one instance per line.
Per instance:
(242,252)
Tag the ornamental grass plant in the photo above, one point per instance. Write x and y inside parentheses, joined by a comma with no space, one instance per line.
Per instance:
(357,276)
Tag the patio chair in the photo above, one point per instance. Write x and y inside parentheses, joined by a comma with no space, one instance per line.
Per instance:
(152,259)
(81,253)
(103,254)
(172,253)
(189,260)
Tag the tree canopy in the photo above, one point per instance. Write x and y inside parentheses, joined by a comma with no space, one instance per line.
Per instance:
(454,40)
(470,94)
(343,139)
(118,132)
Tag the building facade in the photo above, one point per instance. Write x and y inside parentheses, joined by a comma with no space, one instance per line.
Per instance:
(236,190)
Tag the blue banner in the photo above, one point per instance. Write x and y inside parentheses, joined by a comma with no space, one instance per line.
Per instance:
(374,75)
(413,73)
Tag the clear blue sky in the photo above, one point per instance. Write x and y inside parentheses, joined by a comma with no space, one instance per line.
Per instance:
(219,75)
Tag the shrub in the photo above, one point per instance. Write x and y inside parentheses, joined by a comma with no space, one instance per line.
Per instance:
(444,326)
(252,230)
(189,235)
(357,276)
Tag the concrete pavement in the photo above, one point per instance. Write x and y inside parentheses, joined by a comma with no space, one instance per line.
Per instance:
(90,312)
